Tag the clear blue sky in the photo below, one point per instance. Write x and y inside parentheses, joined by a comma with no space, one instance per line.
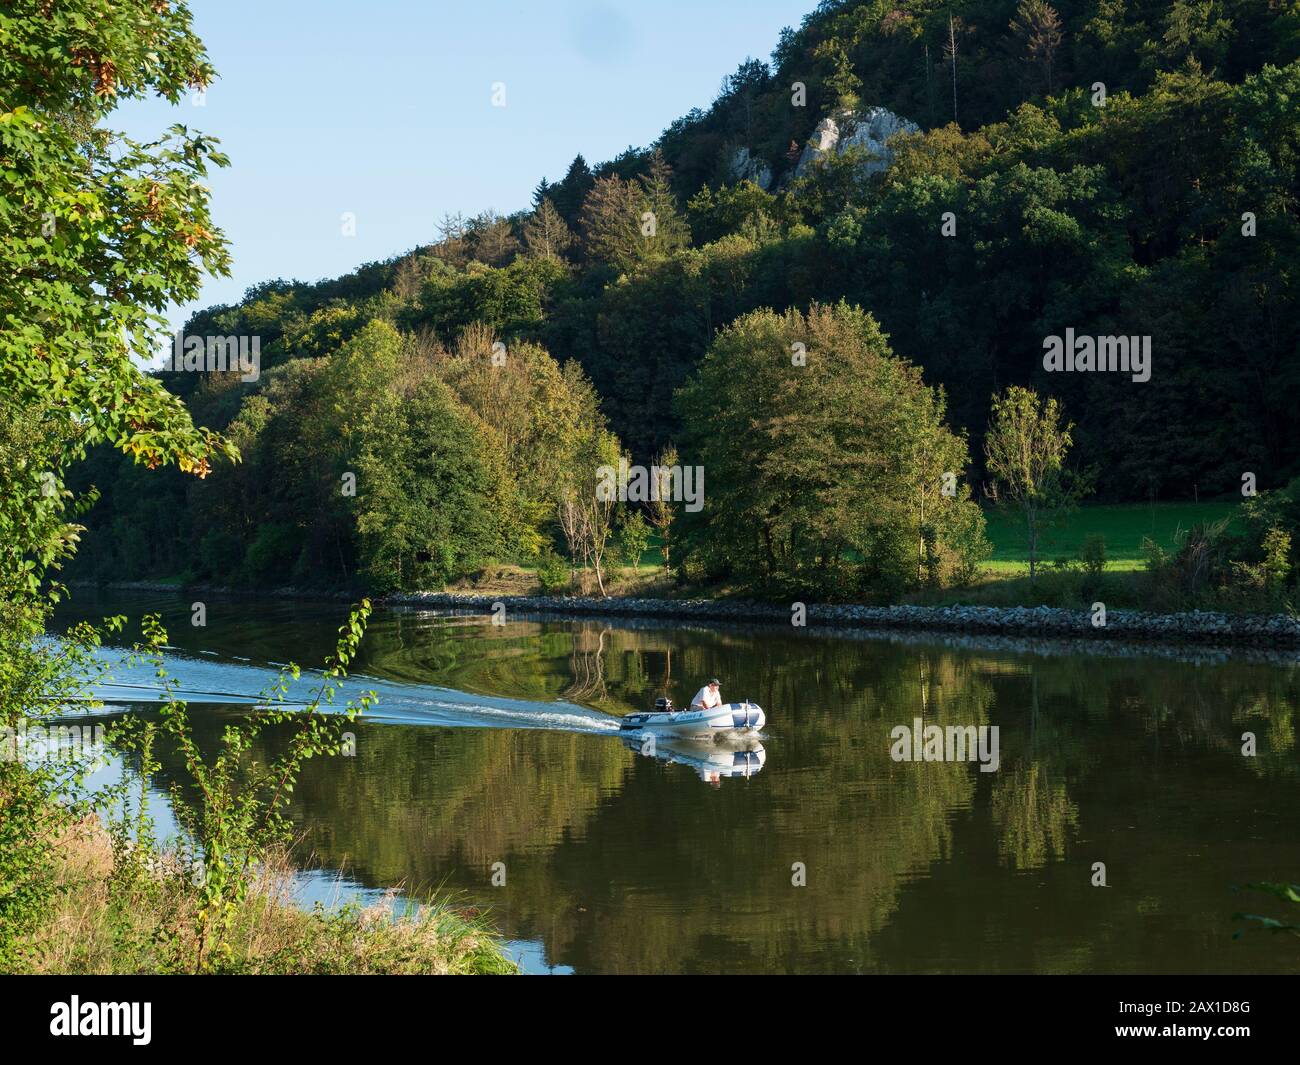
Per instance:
(384,109)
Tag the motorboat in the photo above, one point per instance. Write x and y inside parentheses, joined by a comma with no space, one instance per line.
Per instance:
(728,719)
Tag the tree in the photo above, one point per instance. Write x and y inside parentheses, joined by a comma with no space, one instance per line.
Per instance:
(950,49)
(817,467)
(840,80)
(407,277)
(670,230)
(534,411)
(571,193)
(428,488)
(586,508)
(626,223)
(660,508)
(545,234)
(611,223)
(1038,28)
(942,520)
(633,536)
(99,234)
(452,245)
(1025,451)
(742,208)
(491,239)
(542,193)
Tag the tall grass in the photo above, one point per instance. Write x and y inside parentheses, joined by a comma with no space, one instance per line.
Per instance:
(104,923)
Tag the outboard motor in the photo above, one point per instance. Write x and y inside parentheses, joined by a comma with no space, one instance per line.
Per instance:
(664,706)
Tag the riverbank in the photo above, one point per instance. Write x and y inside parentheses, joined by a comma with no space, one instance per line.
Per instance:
(1196,626)
(1192,627)
(106,922)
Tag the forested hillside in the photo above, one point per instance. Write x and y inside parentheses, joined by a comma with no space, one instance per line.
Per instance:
(1115,167)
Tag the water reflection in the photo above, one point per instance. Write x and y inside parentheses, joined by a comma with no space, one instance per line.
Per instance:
(715,760)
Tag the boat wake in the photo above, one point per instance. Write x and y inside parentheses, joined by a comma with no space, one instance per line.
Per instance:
(211,682)
(207,681)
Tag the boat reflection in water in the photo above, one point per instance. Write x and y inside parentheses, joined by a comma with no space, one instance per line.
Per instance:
(715,760)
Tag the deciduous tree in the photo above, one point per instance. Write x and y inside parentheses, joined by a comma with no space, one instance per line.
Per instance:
(1025,450)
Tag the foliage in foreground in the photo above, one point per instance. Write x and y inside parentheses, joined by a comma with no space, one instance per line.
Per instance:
(98,234)
(86,886)
(100,921)
(1287,893)
(236,817)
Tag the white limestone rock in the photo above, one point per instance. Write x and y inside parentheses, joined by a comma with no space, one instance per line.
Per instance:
(869,129)
(746,167)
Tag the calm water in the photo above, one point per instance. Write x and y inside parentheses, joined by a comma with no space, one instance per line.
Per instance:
(495,744)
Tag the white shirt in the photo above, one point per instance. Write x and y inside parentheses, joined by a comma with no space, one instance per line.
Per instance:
(707,698)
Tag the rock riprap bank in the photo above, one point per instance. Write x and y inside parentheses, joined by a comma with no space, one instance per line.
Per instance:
(1193,626)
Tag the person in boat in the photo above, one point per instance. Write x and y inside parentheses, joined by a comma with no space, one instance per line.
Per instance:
(709,696)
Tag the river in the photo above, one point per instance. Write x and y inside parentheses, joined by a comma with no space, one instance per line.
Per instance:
(495,749)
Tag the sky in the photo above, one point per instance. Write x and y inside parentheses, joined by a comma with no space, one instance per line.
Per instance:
(384,110)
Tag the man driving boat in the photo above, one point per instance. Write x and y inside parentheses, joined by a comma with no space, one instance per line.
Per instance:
(708,697)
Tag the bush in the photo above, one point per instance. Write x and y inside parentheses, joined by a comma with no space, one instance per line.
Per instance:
(1196,574)
(633,538)
(552,571)
(1092,557)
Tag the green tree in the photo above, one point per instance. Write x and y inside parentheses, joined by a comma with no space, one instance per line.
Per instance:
(670,230)
(611,223)
(660,508)
(571,193)
(98,235)
(427,489)
(743,209)
(824,471)
(1038,28)
(535,412)
(541,193)
(633,537)
(1025,450)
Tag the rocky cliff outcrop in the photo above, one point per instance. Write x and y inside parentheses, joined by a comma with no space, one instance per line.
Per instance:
(747,167)
(868,130)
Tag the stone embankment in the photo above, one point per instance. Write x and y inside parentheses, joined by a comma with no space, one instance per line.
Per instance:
(1195,626)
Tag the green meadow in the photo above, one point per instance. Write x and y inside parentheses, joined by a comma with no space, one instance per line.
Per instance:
(1125,526)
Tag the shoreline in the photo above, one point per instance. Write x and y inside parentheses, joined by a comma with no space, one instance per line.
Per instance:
(1190,627)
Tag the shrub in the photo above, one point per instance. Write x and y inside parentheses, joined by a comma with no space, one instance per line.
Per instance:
(552,570)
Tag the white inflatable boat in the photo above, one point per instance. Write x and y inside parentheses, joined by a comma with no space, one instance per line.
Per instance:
(728,719)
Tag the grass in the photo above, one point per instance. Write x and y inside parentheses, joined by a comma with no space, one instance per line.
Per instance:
(1124,525)
(103,923)
(1004,578)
